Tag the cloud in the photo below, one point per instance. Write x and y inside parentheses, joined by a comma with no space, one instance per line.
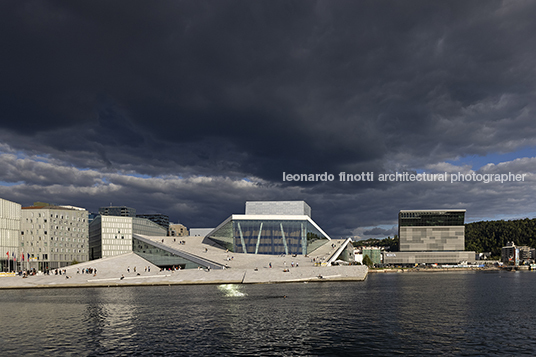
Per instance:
(192,108)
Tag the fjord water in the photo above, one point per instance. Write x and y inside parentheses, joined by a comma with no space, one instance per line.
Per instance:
(472,313)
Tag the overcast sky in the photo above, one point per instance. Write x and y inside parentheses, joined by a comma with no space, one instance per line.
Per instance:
(191,108)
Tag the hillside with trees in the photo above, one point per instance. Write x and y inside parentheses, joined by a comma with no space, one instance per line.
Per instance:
(389,244)
(491,236)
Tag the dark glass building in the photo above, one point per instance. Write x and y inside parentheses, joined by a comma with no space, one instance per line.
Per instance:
(158,218)
(431,218)
(122,211)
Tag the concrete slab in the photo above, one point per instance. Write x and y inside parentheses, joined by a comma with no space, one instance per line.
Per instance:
(132,270)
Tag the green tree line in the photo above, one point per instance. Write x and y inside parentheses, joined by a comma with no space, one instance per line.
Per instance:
(491,236)
(390,244)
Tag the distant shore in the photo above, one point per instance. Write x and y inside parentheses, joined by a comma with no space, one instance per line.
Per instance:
(438,270)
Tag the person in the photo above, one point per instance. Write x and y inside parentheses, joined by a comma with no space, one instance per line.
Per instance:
(270,264)
(128,269)
(122,277)
(149,269)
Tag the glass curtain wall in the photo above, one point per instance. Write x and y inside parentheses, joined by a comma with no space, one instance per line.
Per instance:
(276,237)
(423,219)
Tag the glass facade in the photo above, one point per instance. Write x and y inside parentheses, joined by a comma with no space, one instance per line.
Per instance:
(431,218)
(269,236)
(162,258)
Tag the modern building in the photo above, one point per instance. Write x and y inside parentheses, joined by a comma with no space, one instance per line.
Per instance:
(374,253)
(281,227)
(158,218)
(121,211)
(53,236)
(112,235)
(10,221)
(177,230)
(200,232)
(512,254)
(430,236)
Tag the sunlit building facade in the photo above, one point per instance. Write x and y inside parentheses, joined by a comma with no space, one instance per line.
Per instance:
(177,230)
(10,220)
(53,236)
(112,235)
(281,227)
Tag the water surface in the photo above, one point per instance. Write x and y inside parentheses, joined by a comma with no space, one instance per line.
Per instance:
(388,314)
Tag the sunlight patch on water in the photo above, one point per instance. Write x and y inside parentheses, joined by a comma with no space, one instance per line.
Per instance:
(231,290)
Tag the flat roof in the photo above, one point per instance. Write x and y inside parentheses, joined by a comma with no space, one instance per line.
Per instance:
(270,218)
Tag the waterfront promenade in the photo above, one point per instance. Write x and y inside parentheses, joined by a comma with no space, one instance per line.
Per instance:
(119,271)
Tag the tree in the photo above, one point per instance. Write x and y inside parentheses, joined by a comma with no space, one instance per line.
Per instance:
(367,261)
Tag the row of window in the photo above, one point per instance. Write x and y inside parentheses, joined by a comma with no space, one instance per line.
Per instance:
(60,216)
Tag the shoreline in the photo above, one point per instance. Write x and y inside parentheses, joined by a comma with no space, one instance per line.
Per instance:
(440,270)
(189,277)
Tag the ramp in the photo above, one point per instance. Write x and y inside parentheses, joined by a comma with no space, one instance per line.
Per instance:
(177,252)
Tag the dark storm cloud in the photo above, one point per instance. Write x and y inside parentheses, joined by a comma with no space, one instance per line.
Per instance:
(234,89)
(295,85)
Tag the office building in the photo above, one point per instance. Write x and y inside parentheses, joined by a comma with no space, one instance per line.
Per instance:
(430,236)
(10,221)
(121,211)
(53,236)
(158,218)
(112,235)
(178,230)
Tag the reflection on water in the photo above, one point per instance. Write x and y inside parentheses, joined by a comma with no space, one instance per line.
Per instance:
(231,290)
(418,314)
(110,314)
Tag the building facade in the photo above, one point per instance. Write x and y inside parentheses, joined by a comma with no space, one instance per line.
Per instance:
(178,230)
(10,222)
(53,236)
(273,229)
(112,235)
(121,211)
(158,218)
(430,236)
(297,208)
